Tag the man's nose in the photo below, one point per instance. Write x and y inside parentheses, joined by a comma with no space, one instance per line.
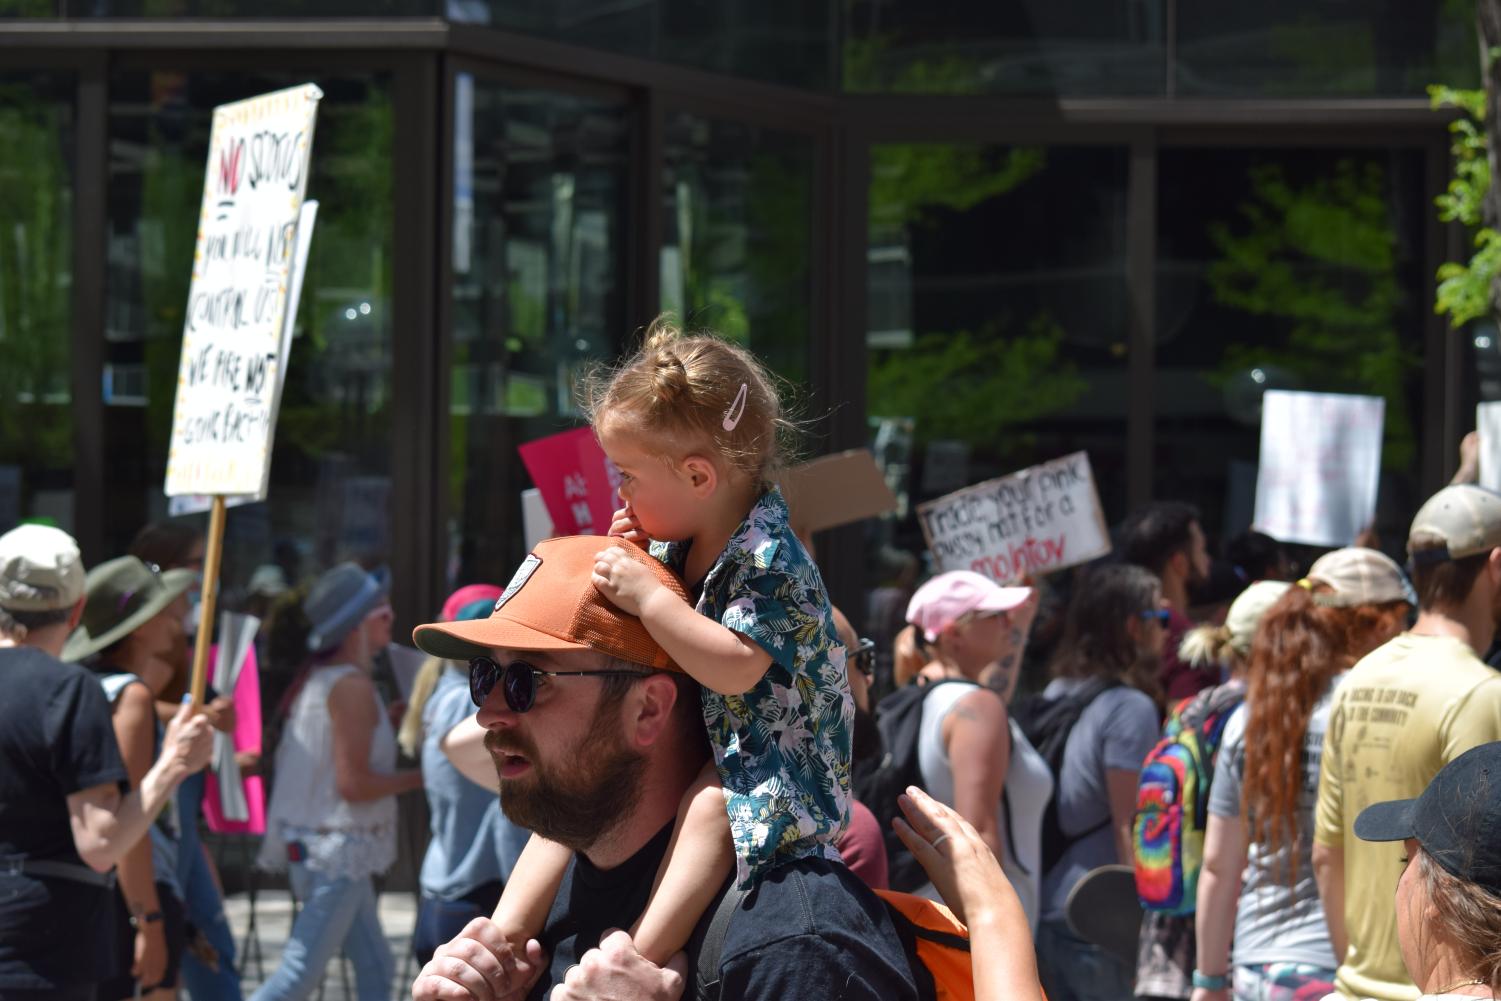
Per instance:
(495,714)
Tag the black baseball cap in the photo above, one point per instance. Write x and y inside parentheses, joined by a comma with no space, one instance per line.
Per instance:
(1457,820)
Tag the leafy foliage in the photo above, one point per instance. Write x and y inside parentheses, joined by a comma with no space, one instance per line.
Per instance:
(1464,289)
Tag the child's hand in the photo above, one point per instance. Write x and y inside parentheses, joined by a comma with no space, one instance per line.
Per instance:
(623,580)
(480,964)
(625,525)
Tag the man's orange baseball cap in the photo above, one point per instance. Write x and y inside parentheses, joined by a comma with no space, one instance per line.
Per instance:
(552,604)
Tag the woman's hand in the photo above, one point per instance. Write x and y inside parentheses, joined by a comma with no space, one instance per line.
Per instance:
(967,874)
(150,961)
(960,864)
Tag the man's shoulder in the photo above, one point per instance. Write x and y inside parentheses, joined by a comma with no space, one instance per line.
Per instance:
(816,921)
(29,672)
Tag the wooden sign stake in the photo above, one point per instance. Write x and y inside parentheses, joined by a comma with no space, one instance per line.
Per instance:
(211,556)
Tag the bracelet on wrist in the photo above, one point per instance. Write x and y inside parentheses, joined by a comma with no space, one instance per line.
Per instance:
(1215,982)
(137,920)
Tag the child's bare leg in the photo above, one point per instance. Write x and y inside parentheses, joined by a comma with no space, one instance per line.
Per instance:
(699,857)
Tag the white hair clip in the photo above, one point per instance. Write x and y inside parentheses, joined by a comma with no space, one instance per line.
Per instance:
(737,409)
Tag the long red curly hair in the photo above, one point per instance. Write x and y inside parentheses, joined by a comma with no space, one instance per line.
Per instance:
(1298,649)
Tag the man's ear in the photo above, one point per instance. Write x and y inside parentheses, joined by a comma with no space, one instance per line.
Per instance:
(702,475)
(1179,563)
(650,710)
(76,616)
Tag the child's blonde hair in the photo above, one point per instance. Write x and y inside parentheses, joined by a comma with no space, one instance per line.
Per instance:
(694,390)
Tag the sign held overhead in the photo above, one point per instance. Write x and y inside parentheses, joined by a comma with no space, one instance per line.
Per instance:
(1033,522)
(1320,466)
(233,346)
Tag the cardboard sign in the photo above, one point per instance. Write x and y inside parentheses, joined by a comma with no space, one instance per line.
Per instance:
(1488,423)
(233,350)
(1320,465)
(578,483)
(1029,523)
(835,490)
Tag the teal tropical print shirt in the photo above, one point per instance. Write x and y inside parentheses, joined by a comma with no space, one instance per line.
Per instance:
(782,748)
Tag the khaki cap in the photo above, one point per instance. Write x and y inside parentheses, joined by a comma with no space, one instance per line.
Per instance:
(40,570)
(1458,521)
(1358,576)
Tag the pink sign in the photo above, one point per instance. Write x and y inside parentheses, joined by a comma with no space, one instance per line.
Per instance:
(247,737)
(577,481)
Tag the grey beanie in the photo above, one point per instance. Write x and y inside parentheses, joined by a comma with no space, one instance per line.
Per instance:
(338,602)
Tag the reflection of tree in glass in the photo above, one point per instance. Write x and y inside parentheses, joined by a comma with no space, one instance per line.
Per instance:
(746,263)
(36,249)
(876,64)
(972,386)
(976,387)
(1319,258)
(908,180)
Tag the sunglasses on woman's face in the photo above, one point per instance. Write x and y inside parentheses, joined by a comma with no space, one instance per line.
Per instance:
(518,681)
(1162,615)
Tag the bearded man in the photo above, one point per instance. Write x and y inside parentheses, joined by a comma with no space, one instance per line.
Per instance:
(595,735)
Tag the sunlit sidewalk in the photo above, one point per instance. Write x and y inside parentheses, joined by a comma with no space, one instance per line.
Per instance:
(273,920)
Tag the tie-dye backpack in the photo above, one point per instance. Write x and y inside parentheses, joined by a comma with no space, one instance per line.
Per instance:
(1172,800)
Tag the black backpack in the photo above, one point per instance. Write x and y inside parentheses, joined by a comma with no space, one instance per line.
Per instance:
(899,718)
(1046,723)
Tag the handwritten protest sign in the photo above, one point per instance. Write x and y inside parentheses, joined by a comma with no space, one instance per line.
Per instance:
(577,481)
(1320,465)
(233,350)
(1033,522)
(1488,423)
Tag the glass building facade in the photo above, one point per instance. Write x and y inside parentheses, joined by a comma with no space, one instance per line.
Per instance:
(969,236)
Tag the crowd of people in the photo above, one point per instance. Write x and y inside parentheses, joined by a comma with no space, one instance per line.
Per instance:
(698,797)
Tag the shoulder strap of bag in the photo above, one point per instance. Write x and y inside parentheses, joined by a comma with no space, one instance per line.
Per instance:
(707,986)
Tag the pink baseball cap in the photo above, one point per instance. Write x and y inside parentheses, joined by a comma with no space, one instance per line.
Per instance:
(469,594)
(940,602)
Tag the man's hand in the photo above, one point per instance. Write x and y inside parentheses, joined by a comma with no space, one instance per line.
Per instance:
(617,972)
(150,960)
(623,580)
(623,523)
(189,743)
(480,965)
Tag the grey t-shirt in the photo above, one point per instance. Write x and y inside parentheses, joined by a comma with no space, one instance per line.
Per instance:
(1275,922)
(1115,732)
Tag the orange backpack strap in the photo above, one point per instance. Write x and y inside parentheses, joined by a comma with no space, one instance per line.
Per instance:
(938,942)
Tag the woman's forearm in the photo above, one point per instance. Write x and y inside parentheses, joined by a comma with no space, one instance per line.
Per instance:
(364,786)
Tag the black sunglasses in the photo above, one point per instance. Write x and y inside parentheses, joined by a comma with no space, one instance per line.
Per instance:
(519,681)
(864,657)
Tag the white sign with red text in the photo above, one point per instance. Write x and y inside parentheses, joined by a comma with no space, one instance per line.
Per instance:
(233,349)
(1029,523)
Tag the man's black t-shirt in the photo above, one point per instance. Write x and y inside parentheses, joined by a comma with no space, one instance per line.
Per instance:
(811,929)
(55,739)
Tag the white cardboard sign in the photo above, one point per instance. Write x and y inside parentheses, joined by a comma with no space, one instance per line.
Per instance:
(1320,466)
(1488,423)
(233,350)
(1033,522)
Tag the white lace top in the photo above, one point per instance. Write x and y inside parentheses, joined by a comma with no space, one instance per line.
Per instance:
(340,838)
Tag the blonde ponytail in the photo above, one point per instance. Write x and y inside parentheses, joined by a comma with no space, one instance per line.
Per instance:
(410,735)
(1206,646)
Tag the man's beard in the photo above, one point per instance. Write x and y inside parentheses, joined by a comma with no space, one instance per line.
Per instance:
(595,786)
